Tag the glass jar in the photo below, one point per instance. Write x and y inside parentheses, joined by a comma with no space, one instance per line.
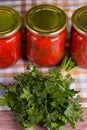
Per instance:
(45,35)
(10,36)
(78,47)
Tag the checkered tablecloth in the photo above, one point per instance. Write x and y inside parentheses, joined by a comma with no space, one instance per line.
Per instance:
(80,75)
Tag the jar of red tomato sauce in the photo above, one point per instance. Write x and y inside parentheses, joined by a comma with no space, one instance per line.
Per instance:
(78,48)
(45,35)
(10,36)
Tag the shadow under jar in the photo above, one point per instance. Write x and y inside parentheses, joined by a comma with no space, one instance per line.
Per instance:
(10,36)
(45,35)
(78,47)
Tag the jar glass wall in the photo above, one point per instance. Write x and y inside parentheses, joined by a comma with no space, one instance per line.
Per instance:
(78,47)
(45,35)
(45,51)
(10,36)
(10,49)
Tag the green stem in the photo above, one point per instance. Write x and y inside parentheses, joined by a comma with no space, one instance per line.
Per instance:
(30,128)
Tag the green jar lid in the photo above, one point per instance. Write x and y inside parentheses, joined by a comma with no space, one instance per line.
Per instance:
(79,20)
(10,21)
(45,20)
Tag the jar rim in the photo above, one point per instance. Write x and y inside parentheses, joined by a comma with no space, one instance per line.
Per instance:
(45,20)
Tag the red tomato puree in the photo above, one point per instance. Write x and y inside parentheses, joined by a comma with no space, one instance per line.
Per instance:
(45,51)
(10,49)
(79,48)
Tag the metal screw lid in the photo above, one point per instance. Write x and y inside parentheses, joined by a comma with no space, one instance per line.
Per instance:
(45,20)
(79,20)
(10,21)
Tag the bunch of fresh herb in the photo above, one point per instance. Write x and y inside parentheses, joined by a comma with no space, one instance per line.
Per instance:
(46,99)
(67,63)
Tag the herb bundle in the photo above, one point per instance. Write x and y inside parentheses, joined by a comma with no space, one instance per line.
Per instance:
(46,99)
